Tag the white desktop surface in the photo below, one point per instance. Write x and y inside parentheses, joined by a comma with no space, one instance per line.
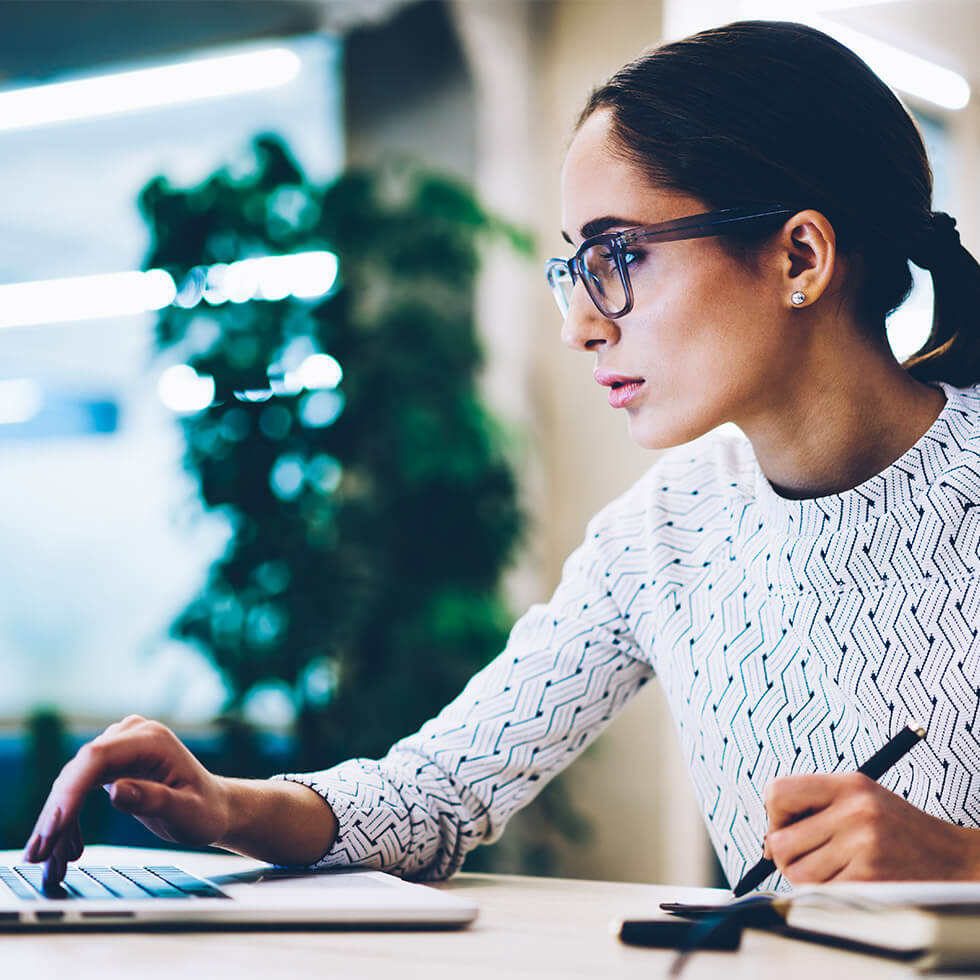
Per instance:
(533,928)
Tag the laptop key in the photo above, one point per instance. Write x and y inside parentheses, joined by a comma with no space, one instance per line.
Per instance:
(85,886)
(34,876)
(17,885)
(187,883)
(155,885)
(120,886)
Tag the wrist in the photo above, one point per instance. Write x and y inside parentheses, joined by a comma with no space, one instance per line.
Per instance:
(278,821)
(231,809)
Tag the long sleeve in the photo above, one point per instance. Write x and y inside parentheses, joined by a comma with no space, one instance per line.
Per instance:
(789,636)
(569,666)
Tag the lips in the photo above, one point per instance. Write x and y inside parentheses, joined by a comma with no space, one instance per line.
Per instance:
(622,388)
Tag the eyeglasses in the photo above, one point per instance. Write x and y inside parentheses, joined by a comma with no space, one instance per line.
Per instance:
(602,262)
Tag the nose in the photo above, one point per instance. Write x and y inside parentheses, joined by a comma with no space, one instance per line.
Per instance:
(585,328)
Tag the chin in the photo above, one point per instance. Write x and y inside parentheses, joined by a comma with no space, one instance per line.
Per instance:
(664,433)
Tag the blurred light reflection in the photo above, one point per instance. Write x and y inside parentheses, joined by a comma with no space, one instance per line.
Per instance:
(183,390)
(145,88)
(25,304)
(304,275)
(20,400)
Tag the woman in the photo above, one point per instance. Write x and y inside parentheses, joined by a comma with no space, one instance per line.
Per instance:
(743,205)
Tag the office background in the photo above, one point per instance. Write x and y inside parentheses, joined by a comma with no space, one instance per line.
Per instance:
(106,540)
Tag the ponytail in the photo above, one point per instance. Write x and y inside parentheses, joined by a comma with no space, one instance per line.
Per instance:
(952,351)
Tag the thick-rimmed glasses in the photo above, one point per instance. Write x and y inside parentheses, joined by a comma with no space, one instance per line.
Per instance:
(602,262)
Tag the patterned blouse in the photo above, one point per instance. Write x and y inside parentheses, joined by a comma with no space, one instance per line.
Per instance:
(790,636)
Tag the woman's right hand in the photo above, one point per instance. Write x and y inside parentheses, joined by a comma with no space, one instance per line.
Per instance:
(149,773)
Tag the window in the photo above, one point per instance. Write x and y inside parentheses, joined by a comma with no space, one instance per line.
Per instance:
(104,541)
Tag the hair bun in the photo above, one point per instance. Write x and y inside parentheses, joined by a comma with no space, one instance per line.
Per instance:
(940,239)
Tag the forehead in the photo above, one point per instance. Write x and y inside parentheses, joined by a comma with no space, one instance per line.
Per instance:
(596,182)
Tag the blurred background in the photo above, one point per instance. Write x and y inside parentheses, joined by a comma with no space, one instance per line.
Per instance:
(287,436)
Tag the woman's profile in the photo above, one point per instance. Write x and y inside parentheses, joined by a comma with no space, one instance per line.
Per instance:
(741,206)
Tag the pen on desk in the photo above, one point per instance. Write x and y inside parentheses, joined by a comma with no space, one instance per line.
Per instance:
(874,768)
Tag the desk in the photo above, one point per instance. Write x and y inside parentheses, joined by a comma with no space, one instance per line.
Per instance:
(533,928)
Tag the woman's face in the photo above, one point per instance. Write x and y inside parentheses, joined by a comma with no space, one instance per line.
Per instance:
(706,338)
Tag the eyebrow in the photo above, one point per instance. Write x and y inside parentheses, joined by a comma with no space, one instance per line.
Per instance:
(598,225)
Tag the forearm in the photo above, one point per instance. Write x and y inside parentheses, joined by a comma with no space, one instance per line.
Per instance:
(277,821)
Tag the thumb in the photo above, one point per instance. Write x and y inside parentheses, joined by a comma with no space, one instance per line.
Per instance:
(140,797)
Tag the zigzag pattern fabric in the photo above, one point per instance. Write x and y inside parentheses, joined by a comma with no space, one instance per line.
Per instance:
(789,635)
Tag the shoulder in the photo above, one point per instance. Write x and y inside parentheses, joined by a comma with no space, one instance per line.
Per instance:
(963,415)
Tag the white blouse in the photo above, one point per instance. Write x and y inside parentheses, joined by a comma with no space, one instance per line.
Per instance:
(789,636)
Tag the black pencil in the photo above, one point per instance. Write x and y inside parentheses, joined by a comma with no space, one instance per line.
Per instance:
(874,768)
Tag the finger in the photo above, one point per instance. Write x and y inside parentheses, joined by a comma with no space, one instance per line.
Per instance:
(31,848)
(54,874)
(66,841)
(46,832)
(817,866)
(794,841)
(790,797)
(76,845)
(101,761)
(130,721)
(141,797)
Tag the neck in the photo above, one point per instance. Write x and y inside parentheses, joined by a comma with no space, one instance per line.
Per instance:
(839,421)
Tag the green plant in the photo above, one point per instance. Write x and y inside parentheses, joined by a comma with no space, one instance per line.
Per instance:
(366,581)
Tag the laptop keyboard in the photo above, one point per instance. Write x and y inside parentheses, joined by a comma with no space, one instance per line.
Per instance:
(105,883)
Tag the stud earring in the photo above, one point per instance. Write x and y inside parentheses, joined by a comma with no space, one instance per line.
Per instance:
(798,299)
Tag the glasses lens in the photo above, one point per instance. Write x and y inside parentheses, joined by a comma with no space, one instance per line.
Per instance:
(560,281)
(603,279)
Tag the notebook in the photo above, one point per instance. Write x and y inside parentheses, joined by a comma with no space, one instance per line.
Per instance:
(119,888)
(937,923)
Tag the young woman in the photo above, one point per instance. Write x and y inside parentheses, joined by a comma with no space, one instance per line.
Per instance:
(743,205)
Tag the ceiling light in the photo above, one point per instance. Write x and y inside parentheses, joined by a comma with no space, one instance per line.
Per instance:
(902,70)
(25,304)
(304,275)
(896,67)
(147,88)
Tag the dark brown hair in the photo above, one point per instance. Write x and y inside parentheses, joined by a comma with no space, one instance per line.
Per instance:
(758,112)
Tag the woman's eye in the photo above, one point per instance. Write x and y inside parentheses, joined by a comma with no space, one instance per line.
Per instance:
(631,258)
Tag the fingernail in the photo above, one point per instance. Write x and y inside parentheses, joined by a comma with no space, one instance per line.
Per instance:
(133,795)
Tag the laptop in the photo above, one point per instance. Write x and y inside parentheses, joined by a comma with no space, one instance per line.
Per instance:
(122,888)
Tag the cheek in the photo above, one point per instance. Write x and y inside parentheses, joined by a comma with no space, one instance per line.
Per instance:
(713,324)
(705,355)
(690,327)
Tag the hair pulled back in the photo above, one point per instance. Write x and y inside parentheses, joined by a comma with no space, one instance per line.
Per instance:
(762,112)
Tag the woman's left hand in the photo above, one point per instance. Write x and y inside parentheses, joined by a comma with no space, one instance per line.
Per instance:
(845,827)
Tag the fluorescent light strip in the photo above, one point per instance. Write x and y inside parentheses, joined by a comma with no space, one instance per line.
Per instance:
(897,68)
(25,304)
(902,70)
(147,88)
(304,275)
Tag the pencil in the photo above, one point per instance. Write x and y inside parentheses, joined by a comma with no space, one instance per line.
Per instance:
(874,768)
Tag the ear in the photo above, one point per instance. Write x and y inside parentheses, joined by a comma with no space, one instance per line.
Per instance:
(807,248)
